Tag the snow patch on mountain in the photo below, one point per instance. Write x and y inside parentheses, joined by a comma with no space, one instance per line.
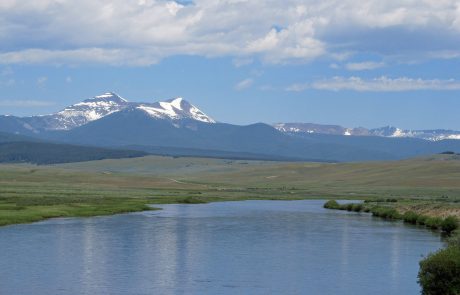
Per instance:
(175,109)
(86,111)
(100,106)
(176,103)
(387,131)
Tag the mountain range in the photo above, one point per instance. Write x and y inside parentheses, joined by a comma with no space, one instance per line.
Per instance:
(387,131)
(176,127)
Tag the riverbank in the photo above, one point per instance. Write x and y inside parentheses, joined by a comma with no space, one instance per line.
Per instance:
(433,215)
(26,209)
(31,193)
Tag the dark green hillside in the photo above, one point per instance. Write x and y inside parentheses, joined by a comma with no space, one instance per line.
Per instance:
(10,137)
(51,153)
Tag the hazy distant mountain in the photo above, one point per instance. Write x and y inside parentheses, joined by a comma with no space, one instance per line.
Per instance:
(110,121)
(388,131)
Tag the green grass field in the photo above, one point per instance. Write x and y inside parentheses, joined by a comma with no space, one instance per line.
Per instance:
(31,193)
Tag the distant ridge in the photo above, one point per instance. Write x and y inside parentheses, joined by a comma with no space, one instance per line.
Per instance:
(177,127)
(387,131)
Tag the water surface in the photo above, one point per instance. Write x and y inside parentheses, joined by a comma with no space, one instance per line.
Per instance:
(250,247)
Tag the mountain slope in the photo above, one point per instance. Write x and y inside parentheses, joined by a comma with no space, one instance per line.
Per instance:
(400,148)
(133,126)
(98,107)
(21,149)
(73,116)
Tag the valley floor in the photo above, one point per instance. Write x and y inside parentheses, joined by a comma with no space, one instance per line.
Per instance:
(31,193)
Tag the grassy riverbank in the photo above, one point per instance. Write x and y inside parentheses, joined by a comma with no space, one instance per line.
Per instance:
(30,193)
(436,217)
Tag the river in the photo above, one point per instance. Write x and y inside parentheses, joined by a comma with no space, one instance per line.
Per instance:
(247,247)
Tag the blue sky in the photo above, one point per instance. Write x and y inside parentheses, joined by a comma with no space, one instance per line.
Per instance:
(351,63)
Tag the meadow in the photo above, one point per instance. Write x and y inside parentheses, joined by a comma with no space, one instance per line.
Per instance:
(428,185)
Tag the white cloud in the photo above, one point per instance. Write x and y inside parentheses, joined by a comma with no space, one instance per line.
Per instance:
(25,103)
(244,84)
(139,33)
(363,66)
(298,87)
(83,55)
(41,81)
(334,66)
(381,84)
(68,79)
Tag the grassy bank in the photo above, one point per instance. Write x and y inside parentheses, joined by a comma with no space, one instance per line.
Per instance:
(30,193)
(26,210)
(392,210)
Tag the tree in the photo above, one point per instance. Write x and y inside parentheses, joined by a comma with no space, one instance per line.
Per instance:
(440,272)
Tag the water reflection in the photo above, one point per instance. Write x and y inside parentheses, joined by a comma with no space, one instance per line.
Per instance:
(253,247)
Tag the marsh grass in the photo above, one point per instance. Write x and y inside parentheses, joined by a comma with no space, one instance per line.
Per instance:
(31,210)
(447,225)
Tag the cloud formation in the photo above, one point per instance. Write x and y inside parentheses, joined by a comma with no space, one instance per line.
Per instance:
(138,33)
(41,81)
(244,84)
(364,66)
(380,84)
(25,103)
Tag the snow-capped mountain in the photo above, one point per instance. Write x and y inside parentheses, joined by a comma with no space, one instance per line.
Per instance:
(432,135)
(175,109)
(82,112)
(387,131)
(98,107)
(310,128)
(109,120)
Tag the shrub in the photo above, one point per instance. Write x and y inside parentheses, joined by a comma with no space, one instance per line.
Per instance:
(386,212)
(348,207)
(440,272)
(357,207)
(421,219)
(454,240)
(331,204)
(410,217)
(449,224)
(433,222)
(448,153)
(190,200)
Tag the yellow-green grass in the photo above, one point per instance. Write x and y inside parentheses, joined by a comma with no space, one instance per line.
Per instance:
(30,193)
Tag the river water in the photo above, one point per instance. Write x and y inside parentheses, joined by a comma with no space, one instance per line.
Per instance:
(248,247)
